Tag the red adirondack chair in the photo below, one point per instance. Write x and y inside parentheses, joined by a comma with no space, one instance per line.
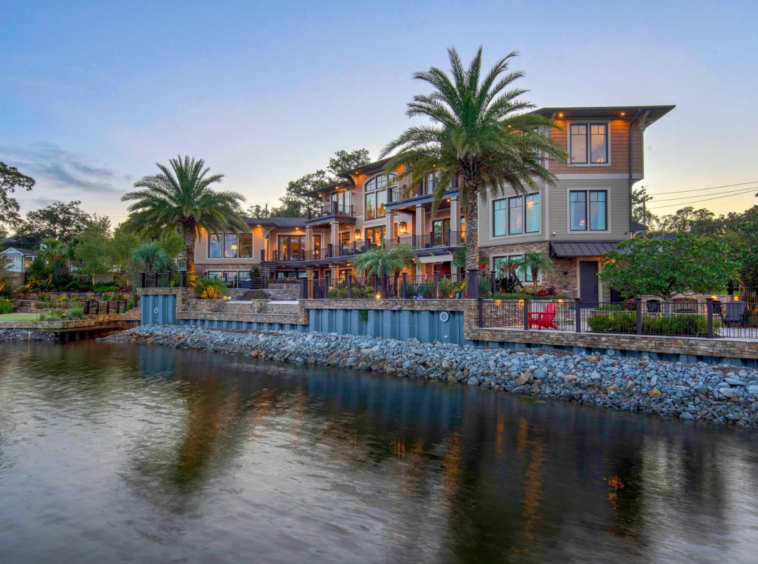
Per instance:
(543,319)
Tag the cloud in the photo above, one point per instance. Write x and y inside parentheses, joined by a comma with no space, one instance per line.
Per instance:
(56,168)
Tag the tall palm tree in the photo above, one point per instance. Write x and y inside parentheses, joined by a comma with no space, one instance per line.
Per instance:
(480,134)
(535,262)
(184,199)
(153,256)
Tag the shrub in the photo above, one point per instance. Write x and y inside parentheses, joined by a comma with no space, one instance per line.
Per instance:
(52,315)
(6,306)
(544,292)
(210,288)
(63,299)
(692,325)
(43,297)
(129,305)
(446,288)
(611,307)
(76,312)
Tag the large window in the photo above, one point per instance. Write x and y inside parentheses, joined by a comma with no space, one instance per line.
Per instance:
(245,245)
(376,195)
(588,209)
(441,232)
(291,247)
(215,249)
(504,261)
(340,202)
(589,143)
(375,235)
(516,215)
(230,245)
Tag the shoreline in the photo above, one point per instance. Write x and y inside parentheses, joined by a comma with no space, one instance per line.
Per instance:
(696,392)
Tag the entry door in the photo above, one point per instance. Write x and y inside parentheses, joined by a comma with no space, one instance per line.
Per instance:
(588,283)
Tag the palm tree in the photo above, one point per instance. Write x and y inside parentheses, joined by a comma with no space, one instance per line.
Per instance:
(185,200)
(536,262)
(153,256)
(480,134)
(56,253)
(384,262)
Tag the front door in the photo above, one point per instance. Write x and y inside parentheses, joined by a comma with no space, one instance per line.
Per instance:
(588,283)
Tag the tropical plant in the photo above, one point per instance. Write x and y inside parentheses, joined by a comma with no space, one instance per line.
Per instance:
(152,256)
(210,288)
(480,134)
(185,199)
(384,262)
(535,262)
(6,306)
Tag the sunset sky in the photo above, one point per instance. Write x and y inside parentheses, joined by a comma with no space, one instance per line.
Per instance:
(92,94)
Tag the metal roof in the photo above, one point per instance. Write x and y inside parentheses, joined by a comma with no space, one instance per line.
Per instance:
(276,221)
(581,248)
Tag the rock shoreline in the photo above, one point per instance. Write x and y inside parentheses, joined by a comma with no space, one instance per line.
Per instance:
(18,335)
(703,392)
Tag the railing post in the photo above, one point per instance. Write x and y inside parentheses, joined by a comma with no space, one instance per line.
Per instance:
(480,306)
(493,282)
(526,314)
(405,286)
(108,307)
(709,302)
(638,305)
(473,284)
(436,285)
(86,305)
(142,279)
(350,286)
(183,279)
(578,309)
(303,288)
(155,285)
(375,281)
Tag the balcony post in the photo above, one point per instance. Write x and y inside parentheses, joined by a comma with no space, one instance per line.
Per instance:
(473,284)
(709,304)
(350,286)
(578,310)
(405,286)
(86,306)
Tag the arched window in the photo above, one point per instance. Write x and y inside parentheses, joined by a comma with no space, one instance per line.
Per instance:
(376,195)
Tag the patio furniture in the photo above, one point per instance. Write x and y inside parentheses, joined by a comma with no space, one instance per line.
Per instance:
(543,319)
(734,313)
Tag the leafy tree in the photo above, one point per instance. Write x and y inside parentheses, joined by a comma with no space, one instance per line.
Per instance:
(6,277)
(695,222)
(152,256)
(10,179)
(742,238)
(384,262)
(258,211)
(56,221)
(479,133)
(640,211)
(94,249)
(183,198)
(343,161)
(536,262)
(665,267)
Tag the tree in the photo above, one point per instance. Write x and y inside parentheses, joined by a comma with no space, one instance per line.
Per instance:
(640,213)
(152,256)
(536,262)
(55,253)
(6,277)
(10,179)
(702,222)
(665,267)
(384,262)
(184,199)
(479,133)
(94,249)
(742,238)
(343,161)
(258,211)
(56,221)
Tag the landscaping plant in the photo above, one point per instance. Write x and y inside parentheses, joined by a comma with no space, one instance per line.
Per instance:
(210,288)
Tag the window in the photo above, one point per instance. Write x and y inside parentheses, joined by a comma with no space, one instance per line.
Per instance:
(291,247)
(375,235)
(243,275)
(28,262)
(342,202)
(589,143)
(376,195)
(441,232)
(214,246)
(516,215)
(245,245)
(463,230)
(213,274)
(504,261)
(500,215)
(598,210)
(317,246)
(532,213)
(230,245)
(345,239)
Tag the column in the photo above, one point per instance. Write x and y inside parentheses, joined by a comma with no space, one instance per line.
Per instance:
(420,232)
(389,234)
(455,227)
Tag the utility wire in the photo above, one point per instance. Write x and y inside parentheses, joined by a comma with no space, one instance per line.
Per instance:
(740,191)
(706,199)
(711,188)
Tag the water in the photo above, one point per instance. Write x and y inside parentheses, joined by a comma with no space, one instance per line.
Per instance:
(120,453)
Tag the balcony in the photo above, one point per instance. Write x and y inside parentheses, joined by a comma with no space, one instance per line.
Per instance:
(433,241)
(331,210)
(328,253)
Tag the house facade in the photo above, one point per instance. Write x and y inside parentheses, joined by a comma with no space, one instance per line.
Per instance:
(584,214)
(18,259)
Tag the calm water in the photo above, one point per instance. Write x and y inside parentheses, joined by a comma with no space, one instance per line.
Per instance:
(119,453)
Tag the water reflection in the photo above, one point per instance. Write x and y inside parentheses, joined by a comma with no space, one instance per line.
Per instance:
(151,454)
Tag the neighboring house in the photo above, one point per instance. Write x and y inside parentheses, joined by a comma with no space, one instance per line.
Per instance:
(18,259)
(588,211)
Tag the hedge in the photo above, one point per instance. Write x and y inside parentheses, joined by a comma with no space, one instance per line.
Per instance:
(689,324)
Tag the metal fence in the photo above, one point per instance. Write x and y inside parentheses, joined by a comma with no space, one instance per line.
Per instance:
(401,286)
(712,319)
(163,279)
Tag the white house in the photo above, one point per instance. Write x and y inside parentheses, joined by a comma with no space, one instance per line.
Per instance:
(18,259)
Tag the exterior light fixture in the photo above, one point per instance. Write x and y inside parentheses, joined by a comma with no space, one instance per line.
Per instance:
(714,297)
(357,234)
(402,228)
(560,114)
(736,298)
(623,114)
(378,296)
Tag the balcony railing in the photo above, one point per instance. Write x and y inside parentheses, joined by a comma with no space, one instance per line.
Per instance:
(432,240)
(330,251)
(331,209)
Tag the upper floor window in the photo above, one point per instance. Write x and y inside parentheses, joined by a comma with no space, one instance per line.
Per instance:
(230,245)
(516,215)
(588,143)
(588,210)
(341,200)
(375,235)
(376,195)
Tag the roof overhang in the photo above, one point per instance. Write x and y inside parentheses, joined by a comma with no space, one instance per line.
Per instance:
(654,113)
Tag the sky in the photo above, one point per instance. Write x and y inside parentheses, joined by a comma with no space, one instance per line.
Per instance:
(93,94)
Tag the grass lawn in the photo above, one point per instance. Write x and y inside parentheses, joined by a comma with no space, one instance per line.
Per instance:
(19,317)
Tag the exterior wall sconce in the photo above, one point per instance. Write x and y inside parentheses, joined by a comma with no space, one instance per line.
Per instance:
(402,228)
(357,235)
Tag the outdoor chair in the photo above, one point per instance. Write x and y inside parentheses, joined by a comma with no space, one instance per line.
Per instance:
(543,319)
(734,314)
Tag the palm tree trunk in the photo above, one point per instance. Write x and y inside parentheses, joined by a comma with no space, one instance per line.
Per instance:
(189,246)
(472,243)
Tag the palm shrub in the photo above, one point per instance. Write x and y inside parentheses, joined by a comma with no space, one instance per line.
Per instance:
(384,262)
(535,262)
(152,256)
(480,134)
(183,197)
(210,288)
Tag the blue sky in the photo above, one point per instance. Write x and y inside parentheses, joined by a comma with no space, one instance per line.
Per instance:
(92,94)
